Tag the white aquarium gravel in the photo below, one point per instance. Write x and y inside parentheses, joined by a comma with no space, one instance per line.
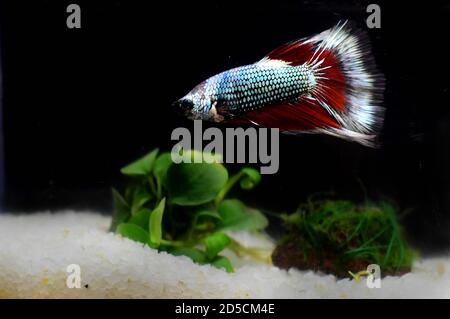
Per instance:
(36,249)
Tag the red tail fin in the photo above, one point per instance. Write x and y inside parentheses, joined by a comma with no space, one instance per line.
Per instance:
(346,96)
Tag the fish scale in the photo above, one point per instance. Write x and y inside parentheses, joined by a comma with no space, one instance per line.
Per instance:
(254,86)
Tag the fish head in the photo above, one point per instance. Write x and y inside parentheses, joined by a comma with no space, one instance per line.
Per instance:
(199,103)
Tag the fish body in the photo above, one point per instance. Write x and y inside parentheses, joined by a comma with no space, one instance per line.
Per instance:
(249,88)
(326,84)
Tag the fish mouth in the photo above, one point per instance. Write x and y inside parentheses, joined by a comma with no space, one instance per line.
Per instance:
(183,107)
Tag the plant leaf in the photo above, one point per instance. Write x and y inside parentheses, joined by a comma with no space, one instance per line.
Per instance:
(133,232)
(195,183)
(196,255)
(141,167)
(215,243)
(162,164)
(250,178)
(247,178)
(155,223)
(212,214)
(141,218)
(195,156)
(121,210)
(236,216)
(223,263)
(140,196)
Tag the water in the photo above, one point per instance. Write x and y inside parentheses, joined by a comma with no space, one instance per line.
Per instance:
(79,104)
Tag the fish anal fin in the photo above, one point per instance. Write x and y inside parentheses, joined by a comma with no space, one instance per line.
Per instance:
(302,115)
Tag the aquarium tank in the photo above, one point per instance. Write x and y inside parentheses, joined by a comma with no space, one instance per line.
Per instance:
(224,149)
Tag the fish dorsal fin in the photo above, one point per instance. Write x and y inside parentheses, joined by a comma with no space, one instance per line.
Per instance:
(292,53)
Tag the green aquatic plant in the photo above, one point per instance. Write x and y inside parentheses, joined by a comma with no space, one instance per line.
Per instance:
(183,208)
(342,237)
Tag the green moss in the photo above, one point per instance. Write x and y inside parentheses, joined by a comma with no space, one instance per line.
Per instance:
(337,236)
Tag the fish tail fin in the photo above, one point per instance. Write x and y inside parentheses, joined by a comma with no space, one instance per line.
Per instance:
(348,85)
(345,93)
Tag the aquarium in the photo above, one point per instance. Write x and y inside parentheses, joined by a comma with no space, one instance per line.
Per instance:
(222,149)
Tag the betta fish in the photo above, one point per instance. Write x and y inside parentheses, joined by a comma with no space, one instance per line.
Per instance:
(326,84)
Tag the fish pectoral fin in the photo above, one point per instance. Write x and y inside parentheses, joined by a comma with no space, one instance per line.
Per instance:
(223,111)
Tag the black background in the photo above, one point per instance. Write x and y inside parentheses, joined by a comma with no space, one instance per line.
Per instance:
(284,308)
(80,103)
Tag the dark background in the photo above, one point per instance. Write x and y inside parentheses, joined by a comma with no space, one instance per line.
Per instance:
(78,104)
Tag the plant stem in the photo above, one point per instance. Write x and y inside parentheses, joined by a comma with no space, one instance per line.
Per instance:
(223,192)
(172,243)
(359,274)
(255,253)
(152,184)
(158,189)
